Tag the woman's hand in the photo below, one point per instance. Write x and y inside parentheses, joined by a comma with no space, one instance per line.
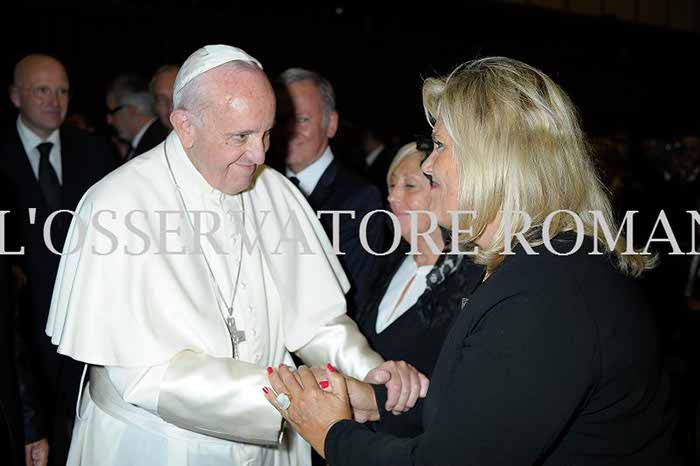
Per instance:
(313,410)
(362,399)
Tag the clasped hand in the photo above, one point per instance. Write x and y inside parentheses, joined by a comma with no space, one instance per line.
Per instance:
(322,397)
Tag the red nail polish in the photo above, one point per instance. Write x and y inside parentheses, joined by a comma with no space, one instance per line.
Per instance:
(324,384)
(331,368)
(266,390)
(281,365)
(269,370)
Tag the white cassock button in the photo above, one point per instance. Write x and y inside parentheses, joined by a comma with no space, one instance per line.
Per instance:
(257,357)
(253,332)
(251,308)
(243,285)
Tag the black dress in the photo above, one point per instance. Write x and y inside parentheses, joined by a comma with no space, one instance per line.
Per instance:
(417,335)
(554,361)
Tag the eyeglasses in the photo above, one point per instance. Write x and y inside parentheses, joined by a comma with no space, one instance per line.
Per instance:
(45,92)
(115,110)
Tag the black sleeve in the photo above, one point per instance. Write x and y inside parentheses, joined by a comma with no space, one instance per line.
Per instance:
(520,378)
(34,423)
(411,418)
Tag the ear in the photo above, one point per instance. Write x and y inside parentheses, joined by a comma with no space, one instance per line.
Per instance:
(183,126)
(14,96)
(332,125)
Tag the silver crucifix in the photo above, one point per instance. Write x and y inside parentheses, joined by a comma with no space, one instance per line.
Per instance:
(237,336)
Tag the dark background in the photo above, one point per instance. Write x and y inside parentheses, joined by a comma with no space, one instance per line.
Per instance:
(640,79)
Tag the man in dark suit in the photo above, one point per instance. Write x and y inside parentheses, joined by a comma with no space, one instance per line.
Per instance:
(11,432)
(48,168)
(130,111)
(307,107)
(161,87)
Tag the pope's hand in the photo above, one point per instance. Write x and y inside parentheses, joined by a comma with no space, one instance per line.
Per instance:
(403,382)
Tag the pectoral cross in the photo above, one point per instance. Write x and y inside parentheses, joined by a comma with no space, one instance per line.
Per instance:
(237,336)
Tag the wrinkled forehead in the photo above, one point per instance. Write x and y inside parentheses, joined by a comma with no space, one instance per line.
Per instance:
(232,82)
(250,101)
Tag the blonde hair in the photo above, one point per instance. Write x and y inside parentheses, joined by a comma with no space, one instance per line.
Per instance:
(519,147)
(405,151)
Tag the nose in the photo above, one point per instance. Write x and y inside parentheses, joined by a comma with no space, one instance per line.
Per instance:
(53,98)
(427,165)
(257,151)
(394,199)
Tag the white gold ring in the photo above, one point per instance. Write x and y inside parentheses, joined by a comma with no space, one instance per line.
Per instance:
(283,401)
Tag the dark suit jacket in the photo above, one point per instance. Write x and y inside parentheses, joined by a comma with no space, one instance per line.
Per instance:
(85,159)
(339,188)
(553,361)
(154,135)
(11,432)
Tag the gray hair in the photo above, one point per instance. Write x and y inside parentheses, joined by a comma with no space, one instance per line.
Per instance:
(193,97)
(295,75)
(129,89)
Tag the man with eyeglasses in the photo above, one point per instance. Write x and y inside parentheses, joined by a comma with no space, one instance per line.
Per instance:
(49,167)
(130,112)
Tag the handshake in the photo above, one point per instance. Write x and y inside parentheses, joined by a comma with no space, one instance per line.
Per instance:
(312,400)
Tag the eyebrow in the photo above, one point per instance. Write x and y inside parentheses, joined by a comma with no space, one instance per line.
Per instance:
(239,133)
(246,132)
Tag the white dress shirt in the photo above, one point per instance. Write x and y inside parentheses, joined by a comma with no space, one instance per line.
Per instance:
(309,176)
(389,308)
(30,141)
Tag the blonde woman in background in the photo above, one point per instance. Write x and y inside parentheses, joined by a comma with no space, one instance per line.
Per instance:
(419,289)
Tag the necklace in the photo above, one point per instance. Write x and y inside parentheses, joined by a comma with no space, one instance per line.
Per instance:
(237,336)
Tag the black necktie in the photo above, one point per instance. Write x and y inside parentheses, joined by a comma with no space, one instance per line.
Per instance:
(48,180)
(295,181)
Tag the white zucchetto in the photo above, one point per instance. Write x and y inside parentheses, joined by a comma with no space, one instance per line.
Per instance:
(207,58)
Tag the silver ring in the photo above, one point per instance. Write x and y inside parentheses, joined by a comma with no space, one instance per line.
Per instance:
(283,401)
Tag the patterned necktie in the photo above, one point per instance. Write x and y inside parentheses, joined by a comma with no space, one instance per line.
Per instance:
(48,180)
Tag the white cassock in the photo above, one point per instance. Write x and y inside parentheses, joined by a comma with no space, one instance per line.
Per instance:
(164,386)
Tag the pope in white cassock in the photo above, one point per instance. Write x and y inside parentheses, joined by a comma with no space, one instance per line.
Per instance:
(186,273)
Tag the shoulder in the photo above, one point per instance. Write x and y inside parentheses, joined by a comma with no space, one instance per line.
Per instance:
(90,147)
(8,133)
(355,187)
(128,185)
(563,263)
(81,138)
(570,292)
